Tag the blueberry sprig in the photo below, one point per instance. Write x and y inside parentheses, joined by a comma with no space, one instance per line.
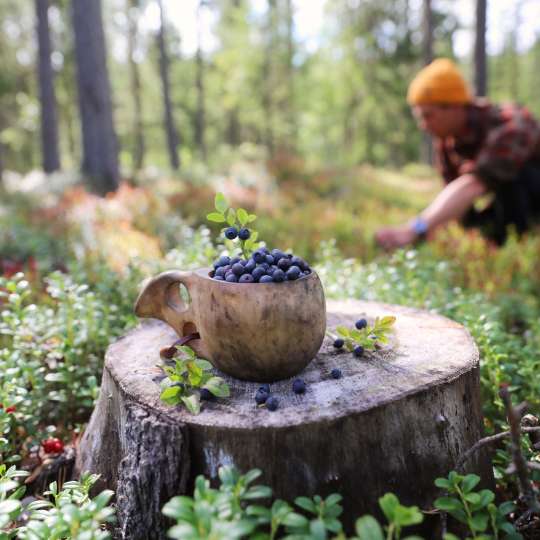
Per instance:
(190,380)
(363,337)
(237,221)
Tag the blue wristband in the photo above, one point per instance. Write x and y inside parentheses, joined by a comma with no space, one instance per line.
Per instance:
(420,226)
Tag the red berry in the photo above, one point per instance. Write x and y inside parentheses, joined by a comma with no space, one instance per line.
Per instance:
(53,446)
(11,409)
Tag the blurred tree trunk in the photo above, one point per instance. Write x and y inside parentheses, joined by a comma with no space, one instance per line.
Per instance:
(135,83)
(514,54)
(267,70)
(427,53)
(47,98)
(100,150)
(199,83)
(170,130)
(480,64)
(291,106)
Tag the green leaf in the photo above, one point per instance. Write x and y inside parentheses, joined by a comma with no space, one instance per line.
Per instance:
(389,503)
(251,217)
(443,483)
(220,203)
(258,492)
(9,506)
(448,504)
(306,504)
(473,498)
(406,516)
(242,216)
(368,528)
(192,403)
(469,482)
(231,216)
(218,387)
(295,521)
(506,507)
(203,364)
(317,530)
(343,331)
(215,217)
(479,522)
(332,499)
(171,394)
(450,536)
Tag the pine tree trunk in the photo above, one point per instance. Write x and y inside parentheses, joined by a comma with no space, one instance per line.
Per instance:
(170,130)
(135,82)
(100,149)
(49,120)
(480,65)
(199,83)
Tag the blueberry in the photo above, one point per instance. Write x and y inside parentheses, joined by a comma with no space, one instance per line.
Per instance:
(246,278)
(231,278)
(259,256)
(220,272)
(244,234)
(222,261)
(338,343)
(336,373)
(272,403)
(219,278)
(266,279)
(358,351)
(261,396)
(250,266)
(238,269)
(235,260)
(293,273)
(278,276)
(269,259)
(298,261)
(231,233)
(277,254)
(265,387)
(360,323)
(284,263)
(298,386)
(207,395)
(258,273)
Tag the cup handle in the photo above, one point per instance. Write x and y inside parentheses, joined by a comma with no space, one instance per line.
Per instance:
(160,299)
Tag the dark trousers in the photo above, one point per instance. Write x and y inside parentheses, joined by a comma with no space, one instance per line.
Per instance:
(515,204)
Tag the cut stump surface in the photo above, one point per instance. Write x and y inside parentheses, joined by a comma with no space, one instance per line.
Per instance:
(397,419)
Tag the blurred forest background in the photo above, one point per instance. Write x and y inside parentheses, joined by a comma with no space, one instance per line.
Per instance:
(114,87)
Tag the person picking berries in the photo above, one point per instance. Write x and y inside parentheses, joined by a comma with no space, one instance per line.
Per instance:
(481,148)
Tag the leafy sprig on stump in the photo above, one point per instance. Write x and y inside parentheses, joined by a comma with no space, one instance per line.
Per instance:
(187,378)
(238,220)
(368,337)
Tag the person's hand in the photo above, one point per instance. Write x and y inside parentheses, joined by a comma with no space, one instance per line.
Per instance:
(394,237)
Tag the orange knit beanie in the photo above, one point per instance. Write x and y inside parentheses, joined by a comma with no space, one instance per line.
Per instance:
(439,83)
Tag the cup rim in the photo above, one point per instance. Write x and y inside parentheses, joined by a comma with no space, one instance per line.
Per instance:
(205,273)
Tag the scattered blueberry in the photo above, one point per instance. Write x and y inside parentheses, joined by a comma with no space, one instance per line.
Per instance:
(206,395)
(358,351)
(336,373)
(265,387)
(231,233)
(266,279)
(261,396)
(360,323)
(272,403)
(244,234)
(299,386)
(338,343)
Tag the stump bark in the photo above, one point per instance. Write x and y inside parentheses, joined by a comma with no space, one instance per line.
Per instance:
(396,420)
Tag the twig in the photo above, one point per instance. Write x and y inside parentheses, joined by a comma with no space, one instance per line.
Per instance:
(486,441)
(525,486)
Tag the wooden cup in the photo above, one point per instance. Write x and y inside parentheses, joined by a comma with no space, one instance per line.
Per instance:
(253,331)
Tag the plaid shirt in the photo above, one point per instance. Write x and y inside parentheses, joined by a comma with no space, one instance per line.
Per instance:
(497,142)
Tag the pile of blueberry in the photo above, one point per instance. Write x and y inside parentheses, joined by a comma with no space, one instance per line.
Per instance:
(264,266)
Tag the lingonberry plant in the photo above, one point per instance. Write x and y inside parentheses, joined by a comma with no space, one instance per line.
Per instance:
(187,380)
(237,221)
(363,336)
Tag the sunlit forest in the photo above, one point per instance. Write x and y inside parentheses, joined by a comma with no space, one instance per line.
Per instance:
(224,166)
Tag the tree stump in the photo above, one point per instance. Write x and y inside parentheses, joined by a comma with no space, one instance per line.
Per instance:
(396,420)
